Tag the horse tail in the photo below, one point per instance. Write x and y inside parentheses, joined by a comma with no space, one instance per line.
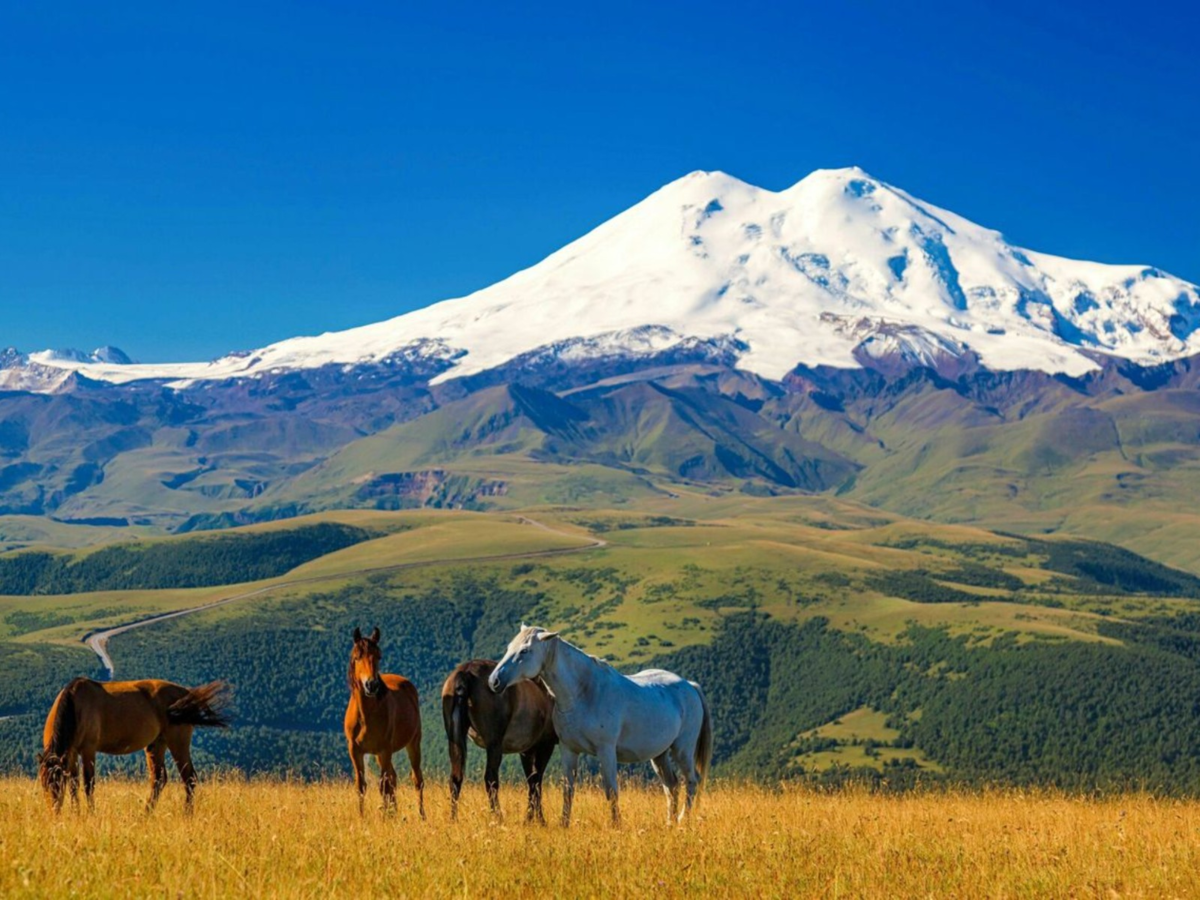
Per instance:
(454,714)
(205,706)
(704,743)
(60,734)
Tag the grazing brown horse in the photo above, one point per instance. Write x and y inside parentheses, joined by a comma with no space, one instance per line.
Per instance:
(383,716)
(516,721)
(90,717)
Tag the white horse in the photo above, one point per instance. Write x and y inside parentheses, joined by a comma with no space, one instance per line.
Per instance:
(653,715)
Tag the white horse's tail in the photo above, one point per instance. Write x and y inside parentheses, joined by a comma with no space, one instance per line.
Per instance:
(704,743)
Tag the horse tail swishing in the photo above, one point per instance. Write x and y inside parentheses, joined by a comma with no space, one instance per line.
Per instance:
(203,706)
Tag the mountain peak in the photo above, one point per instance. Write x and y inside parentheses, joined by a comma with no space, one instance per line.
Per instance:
(834,270)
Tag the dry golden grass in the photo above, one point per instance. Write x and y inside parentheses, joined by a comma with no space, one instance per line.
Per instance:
(267,839)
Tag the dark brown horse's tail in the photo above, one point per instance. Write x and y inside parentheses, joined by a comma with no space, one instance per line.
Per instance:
(704,743)
(205,706)
(456,720)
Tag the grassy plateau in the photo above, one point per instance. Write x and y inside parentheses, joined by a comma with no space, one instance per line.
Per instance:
(264,838)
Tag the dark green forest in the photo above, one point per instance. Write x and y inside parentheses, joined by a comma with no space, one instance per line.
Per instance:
(199,562)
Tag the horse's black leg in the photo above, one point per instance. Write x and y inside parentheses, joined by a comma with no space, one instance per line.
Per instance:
(534,762)
(491,777)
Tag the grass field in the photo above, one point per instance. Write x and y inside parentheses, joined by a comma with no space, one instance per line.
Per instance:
(272,839)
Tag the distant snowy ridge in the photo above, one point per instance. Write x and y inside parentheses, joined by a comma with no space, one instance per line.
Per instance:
(838,269)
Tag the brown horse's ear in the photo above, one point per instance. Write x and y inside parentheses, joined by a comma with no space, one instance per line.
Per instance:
(375,635)
(357,635)
(547,635)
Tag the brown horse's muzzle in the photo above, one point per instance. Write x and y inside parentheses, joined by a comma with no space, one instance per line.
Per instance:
(372,686)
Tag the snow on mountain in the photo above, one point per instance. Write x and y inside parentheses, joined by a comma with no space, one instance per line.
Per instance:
(838,268)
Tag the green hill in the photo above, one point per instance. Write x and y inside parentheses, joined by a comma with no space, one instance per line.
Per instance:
(986,657)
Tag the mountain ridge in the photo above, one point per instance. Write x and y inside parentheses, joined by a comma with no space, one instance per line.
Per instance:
(837,269)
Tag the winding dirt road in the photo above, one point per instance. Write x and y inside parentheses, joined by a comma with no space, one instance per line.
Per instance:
(97,641)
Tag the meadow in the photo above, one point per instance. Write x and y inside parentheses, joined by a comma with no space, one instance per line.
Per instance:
(267,838)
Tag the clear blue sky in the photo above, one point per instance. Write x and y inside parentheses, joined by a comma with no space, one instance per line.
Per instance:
(184,183)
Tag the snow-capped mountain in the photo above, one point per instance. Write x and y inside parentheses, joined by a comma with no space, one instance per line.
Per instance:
(840,269)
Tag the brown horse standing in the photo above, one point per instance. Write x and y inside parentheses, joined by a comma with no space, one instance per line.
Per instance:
(516,721)
(90,717)
(383,716)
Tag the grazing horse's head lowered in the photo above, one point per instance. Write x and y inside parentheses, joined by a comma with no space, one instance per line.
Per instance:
(52,776)
(364,664)
(526,656)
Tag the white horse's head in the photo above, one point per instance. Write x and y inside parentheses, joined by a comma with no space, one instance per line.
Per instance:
(525,657)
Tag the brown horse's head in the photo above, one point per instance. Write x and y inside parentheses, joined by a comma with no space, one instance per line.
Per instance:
(364,664)
(52,776)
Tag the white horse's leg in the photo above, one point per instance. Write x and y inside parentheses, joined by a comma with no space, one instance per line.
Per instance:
(570,760)
(608,775)
(670,782)
(685,760)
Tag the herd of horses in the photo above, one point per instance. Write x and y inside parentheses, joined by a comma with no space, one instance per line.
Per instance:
(544,692)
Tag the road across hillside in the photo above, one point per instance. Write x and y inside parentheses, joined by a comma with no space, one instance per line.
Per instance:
(97,641)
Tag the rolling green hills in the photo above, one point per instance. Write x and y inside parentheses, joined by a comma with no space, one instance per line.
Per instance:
(978,656)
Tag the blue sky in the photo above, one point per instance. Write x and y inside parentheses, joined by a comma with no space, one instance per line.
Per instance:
(182,184)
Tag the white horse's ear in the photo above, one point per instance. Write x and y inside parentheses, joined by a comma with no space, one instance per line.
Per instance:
(523,626)
(547,635)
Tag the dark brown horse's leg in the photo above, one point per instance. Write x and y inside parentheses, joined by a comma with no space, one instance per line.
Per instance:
(541,760)
(89,779)
(533,781)
(387,781)
(179,742)
(156,762)
(491,777)
(73,778)
(360,780)
(418,780)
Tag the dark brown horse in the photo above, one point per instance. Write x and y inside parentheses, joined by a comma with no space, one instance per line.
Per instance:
(516,721)
(383,716)
(90,717)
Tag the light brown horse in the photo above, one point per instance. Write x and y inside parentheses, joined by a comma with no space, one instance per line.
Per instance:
(90,717)
(382,717)
(517,721)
